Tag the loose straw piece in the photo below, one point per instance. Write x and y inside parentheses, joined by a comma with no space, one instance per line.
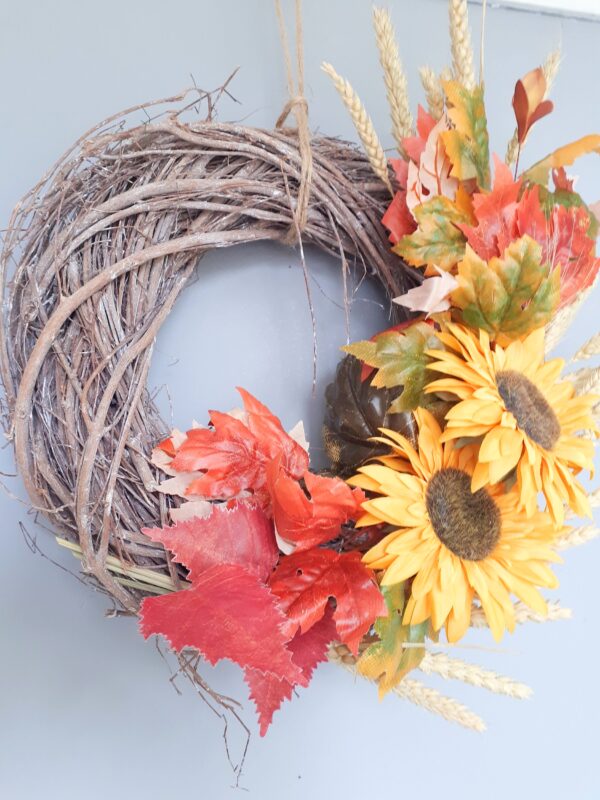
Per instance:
(362,123)
(524,614)
(297,105)
(460,38)
(396,84)
(455,669)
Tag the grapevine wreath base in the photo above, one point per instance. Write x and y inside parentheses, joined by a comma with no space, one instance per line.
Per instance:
(437,524)
(103,246)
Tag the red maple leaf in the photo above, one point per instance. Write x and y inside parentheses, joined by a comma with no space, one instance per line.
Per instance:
(228,454)
(307,522)
(563,236)
(398,218)
(496,213)
(415,145)
(305,581)
(569,246)
(233,454)
(561,180)
(241,535)
(308,650)
(226,613)
(273,441)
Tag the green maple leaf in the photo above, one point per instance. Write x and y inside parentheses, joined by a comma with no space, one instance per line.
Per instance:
(437,240)
(467,144)
(400,360)
(387,661)
(511,295)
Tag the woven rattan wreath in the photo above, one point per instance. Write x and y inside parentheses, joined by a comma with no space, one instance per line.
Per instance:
(442,431)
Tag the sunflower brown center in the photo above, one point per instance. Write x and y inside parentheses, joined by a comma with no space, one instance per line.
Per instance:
(529,407)
(467,522)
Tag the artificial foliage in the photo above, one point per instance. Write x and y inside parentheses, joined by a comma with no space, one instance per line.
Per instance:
(448,427)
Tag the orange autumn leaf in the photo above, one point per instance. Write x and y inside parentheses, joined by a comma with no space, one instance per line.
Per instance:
(562,157)
(231,456)
(529,103)
(308,521)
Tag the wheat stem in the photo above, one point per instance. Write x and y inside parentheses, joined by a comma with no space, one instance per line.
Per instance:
(455,669)
(523,614)
(362,123)
(577,536)
(419,694)
(437,703)
(434,93)
(394,76)
(585,380)
(589,349)
(460,38)
(562,320)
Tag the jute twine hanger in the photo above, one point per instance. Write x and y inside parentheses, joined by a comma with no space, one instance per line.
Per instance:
(297,104)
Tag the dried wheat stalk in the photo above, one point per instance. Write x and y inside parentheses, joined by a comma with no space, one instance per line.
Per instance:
(586,380)
(419,694)
(434,92)
(524,614)
(588,350)
(460,39)
(563,319)
(396,84)
(363,125)
(577,536)
(455,669)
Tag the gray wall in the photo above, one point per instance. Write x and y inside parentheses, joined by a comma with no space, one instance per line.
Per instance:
(86,708)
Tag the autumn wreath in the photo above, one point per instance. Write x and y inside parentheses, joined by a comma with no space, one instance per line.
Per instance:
(454,444)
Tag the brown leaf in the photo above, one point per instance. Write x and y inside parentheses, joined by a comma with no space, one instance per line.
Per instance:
(529,103)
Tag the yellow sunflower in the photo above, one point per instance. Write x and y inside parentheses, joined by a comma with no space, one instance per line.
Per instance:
(511,398)
(456,544)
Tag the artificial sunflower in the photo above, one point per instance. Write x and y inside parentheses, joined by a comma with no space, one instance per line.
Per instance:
(527,418)
(455,543)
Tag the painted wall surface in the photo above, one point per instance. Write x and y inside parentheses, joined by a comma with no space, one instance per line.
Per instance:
(86,707)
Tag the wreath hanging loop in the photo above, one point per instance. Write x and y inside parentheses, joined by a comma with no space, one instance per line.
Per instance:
(298,105)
